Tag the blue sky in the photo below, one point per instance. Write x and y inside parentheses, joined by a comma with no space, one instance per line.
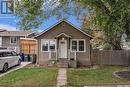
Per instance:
(10,22)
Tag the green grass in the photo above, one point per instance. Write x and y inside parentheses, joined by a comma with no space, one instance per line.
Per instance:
(30,77)
(100,76)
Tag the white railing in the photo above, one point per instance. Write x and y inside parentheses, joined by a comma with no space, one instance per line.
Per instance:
(56,54)
(69,54)
(72,55)
(52,55)
(75,55)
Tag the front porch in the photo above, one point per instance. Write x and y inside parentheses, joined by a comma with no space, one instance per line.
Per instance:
(63,54)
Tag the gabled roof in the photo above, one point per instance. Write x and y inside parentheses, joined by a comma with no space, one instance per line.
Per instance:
(16,33)
(59,23)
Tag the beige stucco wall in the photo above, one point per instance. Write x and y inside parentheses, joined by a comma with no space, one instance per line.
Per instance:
(82,57)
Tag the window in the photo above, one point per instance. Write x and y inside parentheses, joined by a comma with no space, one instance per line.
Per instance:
(45,44)
(74,45)
(13,40)
(81,45)
(7,7)
(78,45)
(1,55)
(48,45)
(8,54)
(14,53)
(52,45)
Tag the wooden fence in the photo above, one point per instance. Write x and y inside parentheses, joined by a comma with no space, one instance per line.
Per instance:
(119,57)
(28,46)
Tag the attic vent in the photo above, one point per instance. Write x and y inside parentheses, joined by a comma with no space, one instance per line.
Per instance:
(63,24)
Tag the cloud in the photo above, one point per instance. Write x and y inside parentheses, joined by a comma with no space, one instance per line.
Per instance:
(7,27)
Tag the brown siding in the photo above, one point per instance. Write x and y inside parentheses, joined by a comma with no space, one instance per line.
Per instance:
(83,57)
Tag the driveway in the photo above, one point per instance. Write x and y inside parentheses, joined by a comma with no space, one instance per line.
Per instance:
(23,64)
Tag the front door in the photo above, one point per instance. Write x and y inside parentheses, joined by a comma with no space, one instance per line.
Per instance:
(62,48)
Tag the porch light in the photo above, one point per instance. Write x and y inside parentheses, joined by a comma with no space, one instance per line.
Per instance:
(63,38)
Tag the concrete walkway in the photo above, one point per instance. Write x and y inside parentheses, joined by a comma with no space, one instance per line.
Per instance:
(110,86)
(23,64)
(62,77)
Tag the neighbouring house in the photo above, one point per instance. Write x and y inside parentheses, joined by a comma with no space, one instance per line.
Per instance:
(64,43)
(2,30)
(11,39)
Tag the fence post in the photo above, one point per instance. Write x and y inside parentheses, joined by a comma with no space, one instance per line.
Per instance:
(100,57)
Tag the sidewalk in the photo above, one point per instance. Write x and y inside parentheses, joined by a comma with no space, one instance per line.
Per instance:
(23,64)
(62,77)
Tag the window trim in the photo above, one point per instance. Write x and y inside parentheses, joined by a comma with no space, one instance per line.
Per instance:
(13,37)
(6,11)
(1,41)
(48,45)
(78,45)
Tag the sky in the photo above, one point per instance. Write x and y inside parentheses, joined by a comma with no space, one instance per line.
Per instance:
(9,22)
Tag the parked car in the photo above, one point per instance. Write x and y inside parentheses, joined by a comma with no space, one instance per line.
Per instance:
(8,59)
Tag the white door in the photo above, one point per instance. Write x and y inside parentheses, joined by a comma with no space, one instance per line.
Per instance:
(63,49)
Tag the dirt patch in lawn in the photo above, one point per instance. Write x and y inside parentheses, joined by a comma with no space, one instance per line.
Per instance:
(124,75)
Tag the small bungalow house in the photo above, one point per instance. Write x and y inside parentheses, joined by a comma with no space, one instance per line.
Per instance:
(65,43)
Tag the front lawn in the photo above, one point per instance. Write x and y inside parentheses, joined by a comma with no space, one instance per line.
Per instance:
(100,76)
(30,77)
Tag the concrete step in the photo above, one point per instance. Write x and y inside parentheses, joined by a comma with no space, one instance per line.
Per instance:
(62,60)
(62,65)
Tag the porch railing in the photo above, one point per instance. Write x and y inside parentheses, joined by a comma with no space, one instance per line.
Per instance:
(52,55)
(72,55)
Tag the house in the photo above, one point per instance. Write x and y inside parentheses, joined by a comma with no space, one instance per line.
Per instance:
(11,39)
(64,43)
(2,30)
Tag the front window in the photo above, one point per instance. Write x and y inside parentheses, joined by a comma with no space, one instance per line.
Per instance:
(13,40)
(48,44)
(45,44)
(81,45)
(78,45)
(74,45)
(52,45)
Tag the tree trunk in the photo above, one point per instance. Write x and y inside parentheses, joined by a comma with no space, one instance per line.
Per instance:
(116,44)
